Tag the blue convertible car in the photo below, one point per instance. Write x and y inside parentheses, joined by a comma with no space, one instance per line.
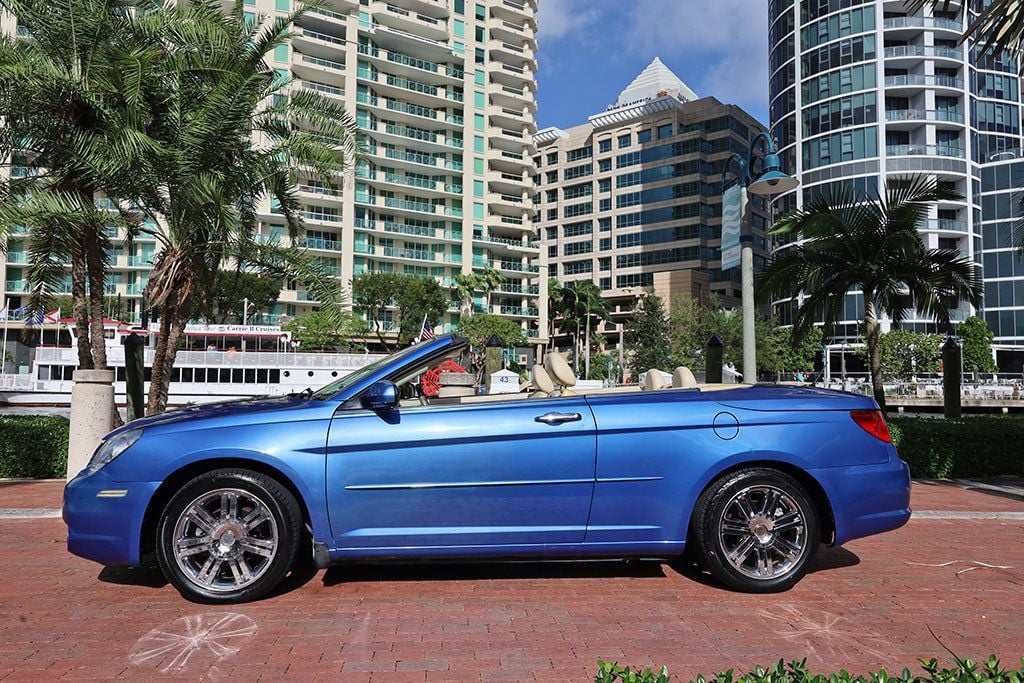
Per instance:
(226,498)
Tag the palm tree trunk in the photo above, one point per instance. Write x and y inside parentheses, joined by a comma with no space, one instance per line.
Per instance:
(874,352)
(172,326)
(587,350)
(95,266)
(80,310)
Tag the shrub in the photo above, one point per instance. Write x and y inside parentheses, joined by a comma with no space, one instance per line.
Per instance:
(968,447)
(965,671)
(33,447)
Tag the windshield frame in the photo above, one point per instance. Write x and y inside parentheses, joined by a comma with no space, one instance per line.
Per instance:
(355,382)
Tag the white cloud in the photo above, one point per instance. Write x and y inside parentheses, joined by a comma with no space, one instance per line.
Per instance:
(557,19)
(725,40)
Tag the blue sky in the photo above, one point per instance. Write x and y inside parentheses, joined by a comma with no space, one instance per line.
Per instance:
(591,49)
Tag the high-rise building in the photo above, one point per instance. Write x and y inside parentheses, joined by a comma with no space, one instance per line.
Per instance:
(631,199)
(1001,182)
(444,94)
(865,90)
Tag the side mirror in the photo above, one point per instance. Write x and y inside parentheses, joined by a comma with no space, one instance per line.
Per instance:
(382,395)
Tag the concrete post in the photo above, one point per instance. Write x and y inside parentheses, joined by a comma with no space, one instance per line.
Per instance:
(493,358)
(952,362)
(713,356)
(92,398)
(134,375)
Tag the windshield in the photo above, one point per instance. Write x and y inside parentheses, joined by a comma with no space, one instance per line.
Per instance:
(351,378)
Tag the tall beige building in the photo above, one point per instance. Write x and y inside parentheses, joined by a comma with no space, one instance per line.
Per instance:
(631,199)
(444,93)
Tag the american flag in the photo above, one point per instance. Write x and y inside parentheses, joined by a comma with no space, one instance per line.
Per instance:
(427,331)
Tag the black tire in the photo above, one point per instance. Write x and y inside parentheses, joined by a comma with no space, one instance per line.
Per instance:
(244,551)
(771,564)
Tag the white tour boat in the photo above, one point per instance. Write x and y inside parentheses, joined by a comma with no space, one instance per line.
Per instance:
(216,363)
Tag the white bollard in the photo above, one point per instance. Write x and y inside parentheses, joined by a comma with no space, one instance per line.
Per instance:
(92,398)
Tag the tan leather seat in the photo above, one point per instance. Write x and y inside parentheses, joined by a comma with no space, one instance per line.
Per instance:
(653,380)
(542,382)
(560,371)
(682,378)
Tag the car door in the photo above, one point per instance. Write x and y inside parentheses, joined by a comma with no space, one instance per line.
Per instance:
(486,474)
(653,447)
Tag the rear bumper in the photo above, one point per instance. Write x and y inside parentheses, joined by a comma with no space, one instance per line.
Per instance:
(867,499)
(104,524)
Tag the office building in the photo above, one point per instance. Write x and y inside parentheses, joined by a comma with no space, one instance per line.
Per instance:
(631,199)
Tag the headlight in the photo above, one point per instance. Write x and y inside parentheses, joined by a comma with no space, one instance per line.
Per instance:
(112,448)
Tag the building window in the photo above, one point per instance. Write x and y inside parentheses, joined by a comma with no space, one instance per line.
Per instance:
(624,140)
(665,131)
(604,145)
(643,136)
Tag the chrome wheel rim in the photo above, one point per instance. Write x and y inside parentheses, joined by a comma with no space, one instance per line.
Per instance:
(225,540)
(763,532)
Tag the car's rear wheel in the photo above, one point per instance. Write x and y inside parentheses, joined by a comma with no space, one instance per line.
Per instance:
(228,536)
(757,530)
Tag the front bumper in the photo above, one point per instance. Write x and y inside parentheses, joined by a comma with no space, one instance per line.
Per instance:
(867,499)
(105,525)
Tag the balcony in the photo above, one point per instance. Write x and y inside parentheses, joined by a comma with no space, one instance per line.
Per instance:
(913,81)
(944,225)
(320,243)
(916,52)
(412,22)
(925,150)
(924,23)
(509,288)
(510,31)
(319,69)
(310,42)
(403,64)
(331,91)
(16,286)
(915,115)
(516,311)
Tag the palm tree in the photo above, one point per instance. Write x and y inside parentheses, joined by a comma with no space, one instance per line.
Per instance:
(581,304)
(554,307)
(465,287)
(230,144)
(846,244)
(468,284)
(74,107)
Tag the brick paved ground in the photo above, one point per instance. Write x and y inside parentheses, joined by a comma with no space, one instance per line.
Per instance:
(868,605)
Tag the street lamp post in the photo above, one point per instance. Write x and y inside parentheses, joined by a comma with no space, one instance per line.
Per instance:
(769,181)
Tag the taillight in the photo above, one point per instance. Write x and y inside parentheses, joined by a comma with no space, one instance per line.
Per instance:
(872,422)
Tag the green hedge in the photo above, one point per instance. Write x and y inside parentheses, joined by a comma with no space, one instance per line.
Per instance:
(33,447)
(968,447)
(965,671)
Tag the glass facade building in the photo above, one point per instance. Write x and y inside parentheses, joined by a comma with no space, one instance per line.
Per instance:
(863,90)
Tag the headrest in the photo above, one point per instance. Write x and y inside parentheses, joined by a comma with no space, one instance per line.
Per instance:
(559,369)
(653,380)
(542,380)
(682,378)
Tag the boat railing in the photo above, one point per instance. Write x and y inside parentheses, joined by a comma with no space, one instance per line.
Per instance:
(238,359)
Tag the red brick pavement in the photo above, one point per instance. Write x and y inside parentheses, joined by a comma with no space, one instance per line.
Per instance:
(20,494)
(868,605)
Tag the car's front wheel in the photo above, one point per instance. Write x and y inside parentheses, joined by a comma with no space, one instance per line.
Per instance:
(757,530)
(228,535)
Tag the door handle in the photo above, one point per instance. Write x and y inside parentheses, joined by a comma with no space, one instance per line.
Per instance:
(558,418)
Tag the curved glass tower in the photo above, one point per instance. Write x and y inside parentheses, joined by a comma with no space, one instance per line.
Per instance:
(863,90)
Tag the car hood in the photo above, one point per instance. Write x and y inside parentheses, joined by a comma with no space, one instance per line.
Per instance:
(237,411)
(774,397)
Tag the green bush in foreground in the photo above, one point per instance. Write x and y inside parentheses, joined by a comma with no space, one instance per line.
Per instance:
(984,446)
(965,671)
(33,447)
